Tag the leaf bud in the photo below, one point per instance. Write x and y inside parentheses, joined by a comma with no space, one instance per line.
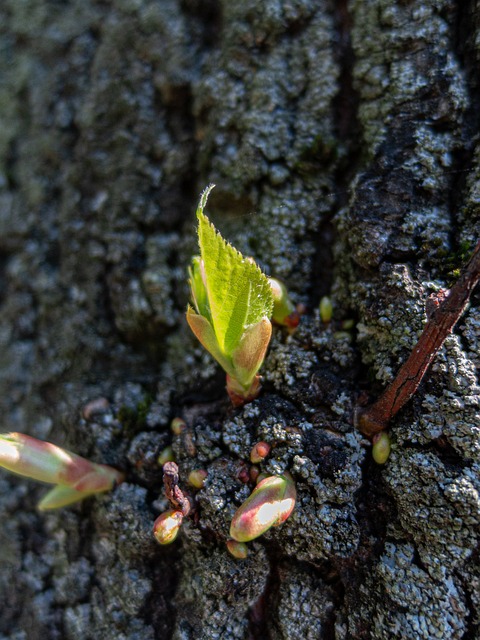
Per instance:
(259,452)
(197,478)
(381,447)
(166,455)
(178,425)
(238,550)
(284,312)
(269,504)
(167,526)
(326,309)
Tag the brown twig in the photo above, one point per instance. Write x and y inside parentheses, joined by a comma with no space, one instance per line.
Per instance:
(173,492)
(375,418)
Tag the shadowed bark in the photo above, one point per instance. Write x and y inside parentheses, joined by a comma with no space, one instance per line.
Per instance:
(343,140)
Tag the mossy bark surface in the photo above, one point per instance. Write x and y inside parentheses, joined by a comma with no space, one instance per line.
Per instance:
(343,140)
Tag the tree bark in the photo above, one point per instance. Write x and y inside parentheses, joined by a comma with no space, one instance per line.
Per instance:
(343,140)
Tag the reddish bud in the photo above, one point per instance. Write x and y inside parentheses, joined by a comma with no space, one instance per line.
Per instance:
(254,473)
(259,452)
(243,474)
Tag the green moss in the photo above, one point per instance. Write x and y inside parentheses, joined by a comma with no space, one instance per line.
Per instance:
(135,419)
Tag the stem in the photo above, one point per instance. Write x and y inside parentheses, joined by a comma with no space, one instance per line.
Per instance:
(179,499)
(375,418)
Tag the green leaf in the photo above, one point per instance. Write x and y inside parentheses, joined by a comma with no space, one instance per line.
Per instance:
(238,293)
(204,333)
(61,496)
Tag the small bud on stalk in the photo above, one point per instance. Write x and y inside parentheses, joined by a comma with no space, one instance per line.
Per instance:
(167,526)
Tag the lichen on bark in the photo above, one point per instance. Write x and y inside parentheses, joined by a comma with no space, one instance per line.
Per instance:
(341,136)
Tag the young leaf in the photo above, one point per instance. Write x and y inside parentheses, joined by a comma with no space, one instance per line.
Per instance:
(239,294)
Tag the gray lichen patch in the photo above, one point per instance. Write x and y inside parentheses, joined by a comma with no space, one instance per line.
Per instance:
(404,601)
(267,116)
(214,604)
(392,318)
(409,144)
(439,507)
(400,52)
(457,404)
(312,602)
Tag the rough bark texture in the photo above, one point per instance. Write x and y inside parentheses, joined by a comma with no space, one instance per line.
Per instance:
(343,139)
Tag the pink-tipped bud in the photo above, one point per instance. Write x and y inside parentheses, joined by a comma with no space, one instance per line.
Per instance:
(238,550)
(381,447)
(197,478)
(46,462)
(270,504)
(166,455)
(259,452)
(167,526)
(177,426)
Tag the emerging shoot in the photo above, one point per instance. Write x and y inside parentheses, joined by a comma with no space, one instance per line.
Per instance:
(232,303)
(74,477)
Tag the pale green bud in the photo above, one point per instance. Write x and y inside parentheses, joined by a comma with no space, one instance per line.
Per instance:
(326,309)
(284,312)
(166,455)
(75,477)
(381,447)
(197,478)
(177,426)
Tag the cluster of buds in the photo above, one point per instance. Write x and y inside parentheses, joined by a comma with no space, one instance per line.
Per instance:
(167,525)
(269,505)
(74,477)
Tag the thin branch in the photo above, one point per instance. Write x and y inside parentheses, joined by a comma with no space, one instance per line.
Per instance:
(375,418)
